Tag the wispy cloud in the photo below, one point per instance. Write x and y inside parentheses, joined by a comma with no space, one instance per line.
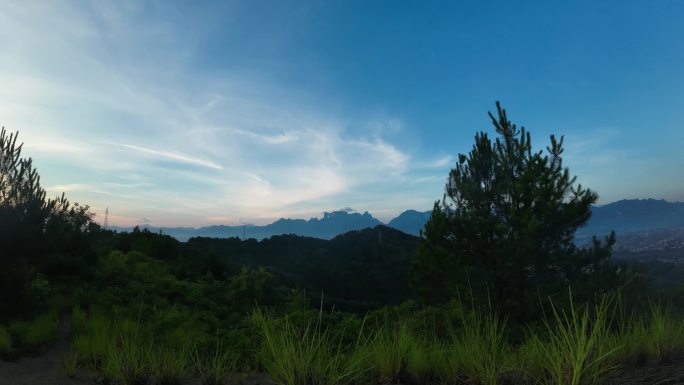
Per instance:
(441,162)
(100,99)
(174,156)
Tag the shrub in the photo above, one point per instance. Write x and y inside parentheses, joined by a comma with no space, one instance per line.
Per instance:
(42,330)
(5,341)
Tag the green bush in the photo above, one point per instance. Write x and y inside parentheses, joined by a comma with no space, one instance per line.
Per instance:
(5,341)
(78,320)
(42,330)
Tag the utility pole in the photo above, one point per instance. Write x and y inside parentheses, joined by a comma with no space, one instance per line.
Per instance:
(106,219)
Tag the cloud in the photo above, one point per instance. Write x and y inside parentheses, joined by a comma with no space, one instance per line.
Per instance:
(174,156)
(441,162)
(101,97)
(70,187)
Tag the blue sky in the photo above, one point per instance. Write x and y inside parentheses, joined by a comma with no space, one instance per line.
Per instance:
(244,112)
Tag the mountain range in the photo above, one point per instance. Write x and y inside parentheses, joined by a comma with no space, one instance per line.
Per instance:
(634,215)
(624,216)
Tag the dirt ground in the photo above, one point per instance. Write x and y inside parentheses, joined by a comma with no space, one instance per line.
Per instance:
(42,369)
(651,373)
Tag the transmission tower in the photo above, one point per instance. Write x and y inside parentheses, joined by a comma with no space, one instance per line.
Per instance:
(106,219)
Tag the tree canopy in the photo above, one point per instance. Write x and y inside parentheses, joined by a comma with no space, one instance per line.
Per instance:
(33,227)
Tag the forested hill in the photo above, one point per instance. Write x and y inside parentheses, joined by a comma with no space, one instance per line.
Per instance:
(356,270)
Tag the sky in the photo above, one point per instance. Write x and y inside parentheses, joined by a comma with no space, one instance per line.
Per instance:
(233,112)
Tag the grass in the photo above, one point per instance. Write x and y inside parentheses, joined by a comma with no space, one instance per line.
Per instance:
(308,354)
(5,341)
(476,352)
(71,364)
(125,352)
(577,346)
(126,359)
(573,345)
(479,348)
(426,359)
(390,352)
(91,344)
(408,352)
(213,368)
(169,364)
(40,331)
(663,335)
(657,335)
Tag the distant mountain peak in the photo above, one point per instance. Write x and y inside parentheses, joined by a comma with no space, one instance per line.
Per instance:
(410,221)
(630,215)
(626,215)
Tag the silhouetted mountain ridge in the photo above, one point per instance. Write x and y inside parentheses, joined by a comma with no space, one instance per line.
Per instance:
(624,216)
(633,215)
(330,225)
(410,221)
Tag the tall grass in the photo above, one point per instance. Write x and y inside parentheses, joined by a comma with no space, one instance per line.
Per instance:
(478,349)
(657,335)
(426,357)
(665,332)
(71,364)
(213,368)
(571,346)
(126,352)
(576,347)
(390,352)
(91,344)
(308,354)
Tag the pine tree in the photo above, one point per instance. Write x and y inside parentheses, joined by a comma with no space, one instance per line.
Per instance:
(25,216)
(505,227)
